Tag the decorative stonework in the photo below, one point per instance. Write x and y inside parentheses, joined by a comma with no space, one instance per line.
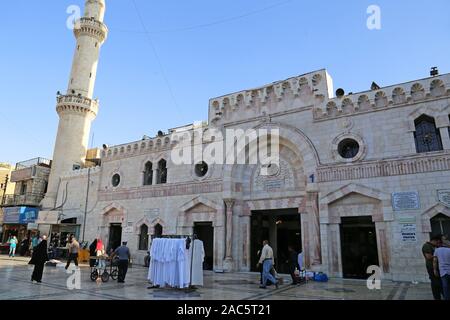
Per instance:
(394,96)
(282,177)
(77,104)
(270,98)
(430,213)
(91,27)
(385,168)
(335,145)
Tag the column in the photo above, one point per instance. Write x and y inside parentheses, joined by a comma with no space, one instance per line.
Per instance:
(228,263)
(155,177)
(445,138)
(312,209)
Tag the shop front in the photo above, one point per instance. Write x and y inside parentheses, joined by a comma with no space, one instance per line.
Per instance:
(58,231)
(15,223)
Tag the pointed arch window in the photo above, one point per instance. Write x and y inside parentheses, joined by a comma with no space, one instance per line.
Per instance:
(148,174)
(162,172)
(143,237)
(427,136)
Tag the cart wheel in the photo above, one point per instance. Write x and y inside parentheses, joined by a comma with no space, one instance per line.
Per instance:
(94,275)
(114,275)
(105,276)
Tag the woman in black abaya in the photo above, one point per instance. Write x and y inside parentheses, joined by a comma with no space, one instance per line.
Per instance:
(92,253)
(39,258)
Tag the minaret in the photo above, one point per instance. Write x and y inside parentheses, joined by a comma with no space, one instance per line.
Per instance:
(77,109)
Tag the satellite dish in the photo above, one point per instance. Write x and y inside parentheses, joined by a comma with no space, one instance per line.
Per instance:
(340,92)
(105,147)
(160,133)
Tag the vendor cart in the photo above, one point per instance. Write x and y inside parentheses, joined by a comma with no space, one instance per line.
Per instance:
(111,269)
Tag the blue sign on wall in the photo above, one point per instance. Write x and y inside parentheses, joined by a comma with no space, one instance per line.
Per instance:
(20,215)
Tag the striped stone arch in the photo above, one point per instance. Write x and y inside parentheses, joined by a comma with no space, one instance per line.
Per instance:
(433,112)
(184,218)
(432,212)
(294,139)
(340,193)
(113,206)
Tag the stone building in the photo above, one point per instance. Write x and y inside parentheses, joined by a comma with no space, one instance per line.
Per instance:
(21,205)
(362,179)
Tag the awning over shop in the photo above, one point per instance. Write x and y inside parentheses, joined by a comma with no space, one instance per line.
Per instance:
(20,215)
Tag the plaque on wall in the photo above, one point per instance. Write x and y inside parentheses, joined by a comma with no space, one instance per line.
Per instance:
(409,233)
(405,201)
(444,196)
(152,213)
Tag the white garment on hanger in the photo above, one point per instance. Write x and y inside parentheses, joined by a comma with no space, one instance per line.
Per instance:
(168,263)
(197,263)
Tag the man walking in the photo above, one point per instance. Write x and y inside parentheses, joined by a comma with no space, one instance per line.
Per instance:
(293,265)
(428,253)
(441,265)
(266,260)
(74,247)
(124,257)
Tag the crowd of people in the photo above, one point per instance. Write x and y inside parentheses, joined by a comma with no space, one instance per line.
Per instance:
(436,253)
(25,248)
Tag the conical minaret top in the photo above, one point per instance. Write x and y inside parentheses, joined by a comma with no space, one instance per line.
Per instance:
(77,109)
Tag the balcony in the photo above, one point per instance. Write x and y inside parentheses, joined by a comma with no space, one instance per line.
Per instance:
(34,162)
(25,200)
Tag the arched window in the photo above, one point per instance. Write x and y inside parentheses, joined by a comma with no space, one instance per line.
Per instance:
(427,136)
(158,230)
(162,172)
(440,224)
(143,238)
(148,174)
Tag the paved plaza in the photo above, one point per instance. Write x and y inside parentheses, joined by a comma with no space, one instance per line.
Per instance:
(15,284)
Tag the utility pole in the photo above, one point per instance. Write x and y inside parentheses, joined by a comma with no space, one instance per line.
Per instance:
(86,204)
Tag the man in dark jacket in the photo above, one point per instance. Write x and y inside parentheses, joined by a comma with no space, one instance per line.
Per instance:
(428,253)
(293,264)
(40,257)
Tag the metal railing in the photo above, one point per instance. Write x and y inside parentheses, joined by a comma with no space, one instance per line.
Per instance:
(34,162)
(27,199)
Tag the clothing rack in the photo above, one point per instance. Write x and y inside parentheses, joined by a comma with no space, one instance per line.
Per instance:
(189,240)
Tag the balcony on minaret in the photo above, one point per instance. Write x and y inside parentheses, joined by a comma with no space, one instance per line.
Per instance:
(91,27)
(76,103)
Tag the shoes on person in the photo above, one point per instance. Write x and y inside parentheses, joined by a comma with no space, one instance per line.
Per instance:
(262,287)
(276,284)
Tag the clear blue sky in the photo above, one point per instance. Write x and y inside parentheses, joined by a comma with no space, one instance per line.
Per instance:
(232,45)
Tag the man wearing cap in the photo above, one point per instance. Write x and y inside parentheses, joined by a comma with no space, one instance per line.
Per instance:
(124,257)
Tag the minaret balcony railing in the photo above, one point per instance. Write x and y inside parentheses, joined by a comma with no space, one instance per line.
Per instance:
(91,27)
(74,103)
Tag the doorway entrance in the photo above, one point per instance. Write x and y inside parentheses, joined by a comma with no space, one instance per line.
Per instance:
(205,232)
(282,228)
(115,236)
(358,246)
